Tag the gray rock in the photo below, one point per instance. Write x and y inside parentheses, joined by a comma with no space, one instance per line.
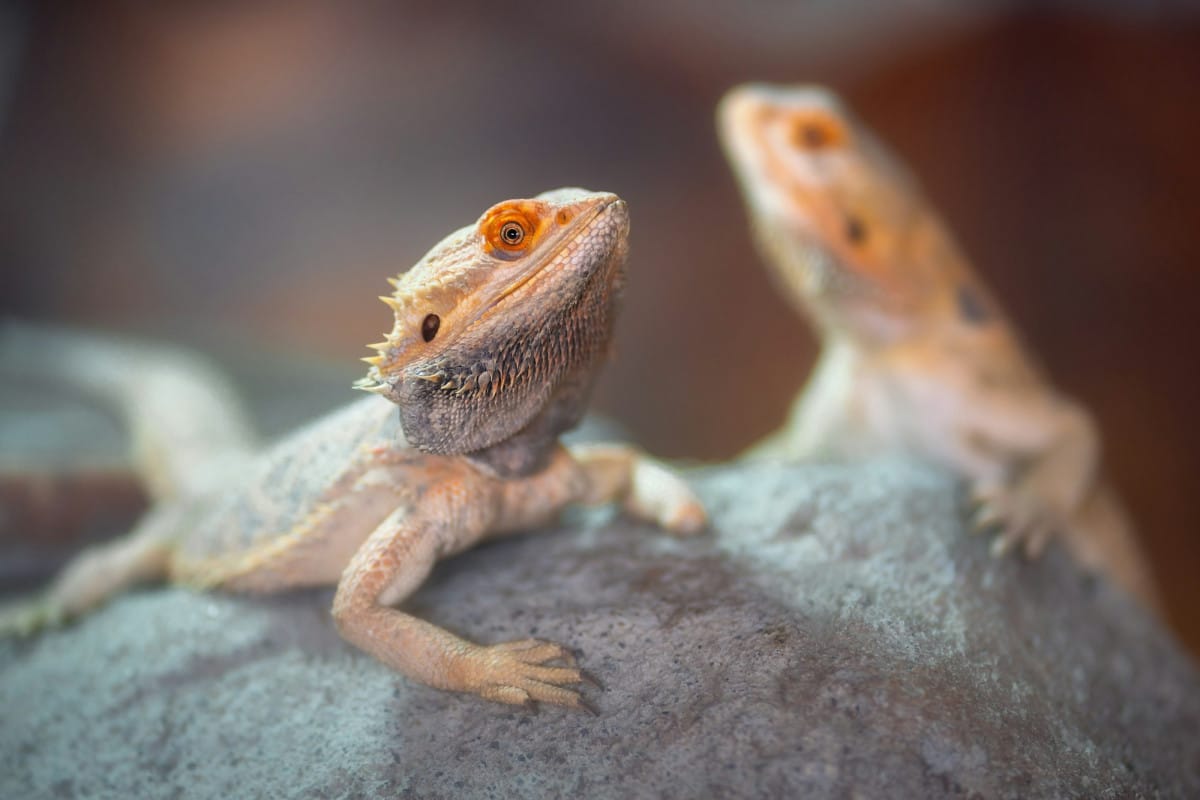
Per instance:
(836,634)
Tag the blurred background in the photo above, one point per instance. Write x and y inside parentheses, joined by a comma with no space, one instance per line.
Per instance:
(241,177)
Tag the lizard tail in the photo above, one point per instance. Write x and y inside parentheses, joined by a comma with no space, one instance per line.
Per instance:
(1102,539)
(187,425)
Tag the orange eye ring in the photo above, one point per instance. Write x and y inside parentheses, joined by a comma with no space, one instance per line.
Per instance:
(816,132)
(509,230)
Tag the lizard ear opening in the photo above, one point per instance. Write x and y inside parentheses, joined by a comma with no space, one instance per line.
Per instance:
(429,326)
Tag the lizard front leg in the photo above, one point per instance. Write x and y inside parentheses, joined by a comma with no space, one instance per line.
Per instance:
(454,512)
(446,517)
(1052,488)
(644,487)
(1051,451)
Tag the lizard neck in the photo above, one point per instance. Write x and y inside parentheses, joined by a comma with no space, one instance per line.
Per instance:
(529,450)
(545,362)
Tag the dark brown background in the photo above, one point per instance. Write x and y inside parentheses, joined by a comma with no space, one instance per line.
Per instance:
(242,176)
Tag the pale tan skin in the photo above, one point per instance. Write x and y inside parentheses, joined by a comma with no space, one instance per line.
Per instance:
(349,500)
(187,426)
(916,355)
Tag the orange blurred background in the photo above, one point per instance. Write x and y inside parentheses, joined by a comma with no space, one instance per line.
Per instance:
(240,177)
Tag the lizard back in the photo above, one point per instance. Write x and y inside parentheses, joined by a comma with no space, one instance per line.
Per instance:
(290,481)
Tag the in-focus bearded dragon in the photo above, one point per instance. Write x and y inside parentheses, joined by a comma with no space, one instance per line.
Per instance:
(916,355)
(498,335)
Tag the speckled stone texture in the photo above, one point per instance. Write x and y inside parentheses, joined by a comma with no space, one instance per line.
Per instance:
(836,634)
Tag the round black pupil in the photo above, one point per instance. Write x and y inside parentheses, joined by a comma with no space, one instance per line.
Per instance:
(429,327)
(512,233)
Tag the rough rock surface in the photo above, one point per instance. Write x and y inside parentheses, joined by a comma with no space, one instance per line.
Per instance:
(836,634)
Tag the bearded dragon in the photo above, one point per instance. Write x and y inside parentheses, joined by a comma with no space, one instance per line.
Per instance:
(916,354)
(497,336)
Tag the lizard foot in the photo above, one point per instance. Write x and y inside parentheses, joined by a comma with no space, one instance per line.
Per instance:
(1019,518)
(659,495)
(517,673)
(27,617)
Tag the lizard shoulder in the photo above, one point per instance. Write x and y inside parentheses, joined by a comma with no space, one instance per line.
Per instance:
(291,481)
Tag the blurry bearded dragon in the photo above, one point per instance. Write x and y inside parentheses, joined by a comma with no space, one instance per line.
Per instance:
(916,355)
(498,335)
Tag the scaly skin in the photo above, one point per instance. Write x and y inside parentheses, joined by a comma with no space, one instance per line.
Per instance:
(369,499)
(916,355)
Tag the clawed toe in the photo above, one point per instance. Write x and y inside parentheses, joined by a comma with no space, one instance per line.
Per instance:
(1001,545)
(686,519)
(26,619)
(660,495)
(984,517)
(549,693)
(536,651)
(1018,520)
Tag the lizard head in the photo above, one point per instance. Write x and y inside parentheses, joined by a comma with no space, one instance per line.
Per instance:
(842,222)
(504,322)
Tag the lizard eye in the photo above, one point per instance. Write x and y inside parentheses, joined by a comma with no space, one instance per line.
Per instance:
(429,326)
(512,234)
(509,230)
(816,132)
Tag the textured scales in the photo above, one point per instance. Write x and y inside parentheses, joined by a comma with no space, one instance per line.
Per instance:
(916,354)
(498,333)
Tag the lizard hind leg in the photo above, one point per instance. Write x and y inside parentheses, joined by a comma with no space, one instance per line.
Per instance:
(97,574)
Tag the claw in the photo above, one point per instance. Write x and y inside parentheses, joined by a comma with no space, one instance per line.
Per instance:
(589,678)
(1000,546)
(1020,516)
(986,516)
